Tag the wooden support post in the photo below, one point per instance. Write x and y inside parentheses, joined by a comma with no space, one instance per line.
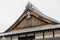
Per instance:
(26,36)
(43,35)
(18,36)
(11,37)
(53,34)
(34,35)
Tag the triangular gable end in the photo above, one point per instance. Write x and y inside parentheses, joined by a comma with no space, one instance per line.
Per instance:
(31,18)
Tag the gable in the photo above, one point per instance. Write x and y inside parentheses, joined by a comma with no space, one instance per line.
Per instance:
(28,23)
(31,18)
(34,21)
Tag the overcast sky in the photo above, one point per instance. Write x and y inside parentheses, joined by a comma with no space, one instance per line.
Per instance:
(10,10)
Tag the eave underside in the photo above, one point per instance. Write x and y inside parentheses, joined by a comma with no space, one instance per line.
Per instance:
(41,28)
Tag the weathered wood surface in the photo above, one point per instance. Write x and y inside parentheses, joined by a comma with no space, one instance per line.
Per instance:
(32,22)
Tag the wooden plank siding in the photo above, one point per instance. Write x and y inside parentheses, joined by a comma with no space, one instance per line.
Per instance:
(32,22)
(26,23)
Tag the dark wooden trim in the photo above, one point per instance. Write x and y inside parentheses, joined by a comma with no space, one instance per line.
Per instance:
(18,37)
(54,23)
(34,34)
(40,17)
(43,35)
(11,37)
(53,34)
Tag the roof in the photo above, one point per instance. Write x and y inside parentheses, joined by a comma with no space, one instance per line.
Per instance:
(40,15)
(32,7)
(45,27)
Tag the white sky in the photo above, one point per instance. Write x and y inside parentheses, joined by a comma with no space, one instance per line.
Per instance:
(10,10)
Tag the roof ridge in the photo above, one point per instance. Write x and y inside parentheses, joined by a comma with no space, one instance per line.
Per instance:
(31,6)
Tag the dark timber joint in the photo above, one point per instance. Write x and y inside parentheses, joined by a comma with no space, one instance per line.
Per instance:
(54,23)
(40,17)
(27,9)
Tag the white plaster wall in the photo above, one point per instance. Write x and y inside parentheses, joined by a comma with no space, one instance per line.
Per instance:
(22,35)
(30,34)
(48,34)
(14,37)
(8,38)
(38,35)
(57,33)
(5,38)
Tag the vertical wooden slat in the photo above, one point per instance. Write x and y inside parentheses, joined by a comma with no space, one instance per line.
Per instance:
(53,34)
(11,37)
(43,35)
